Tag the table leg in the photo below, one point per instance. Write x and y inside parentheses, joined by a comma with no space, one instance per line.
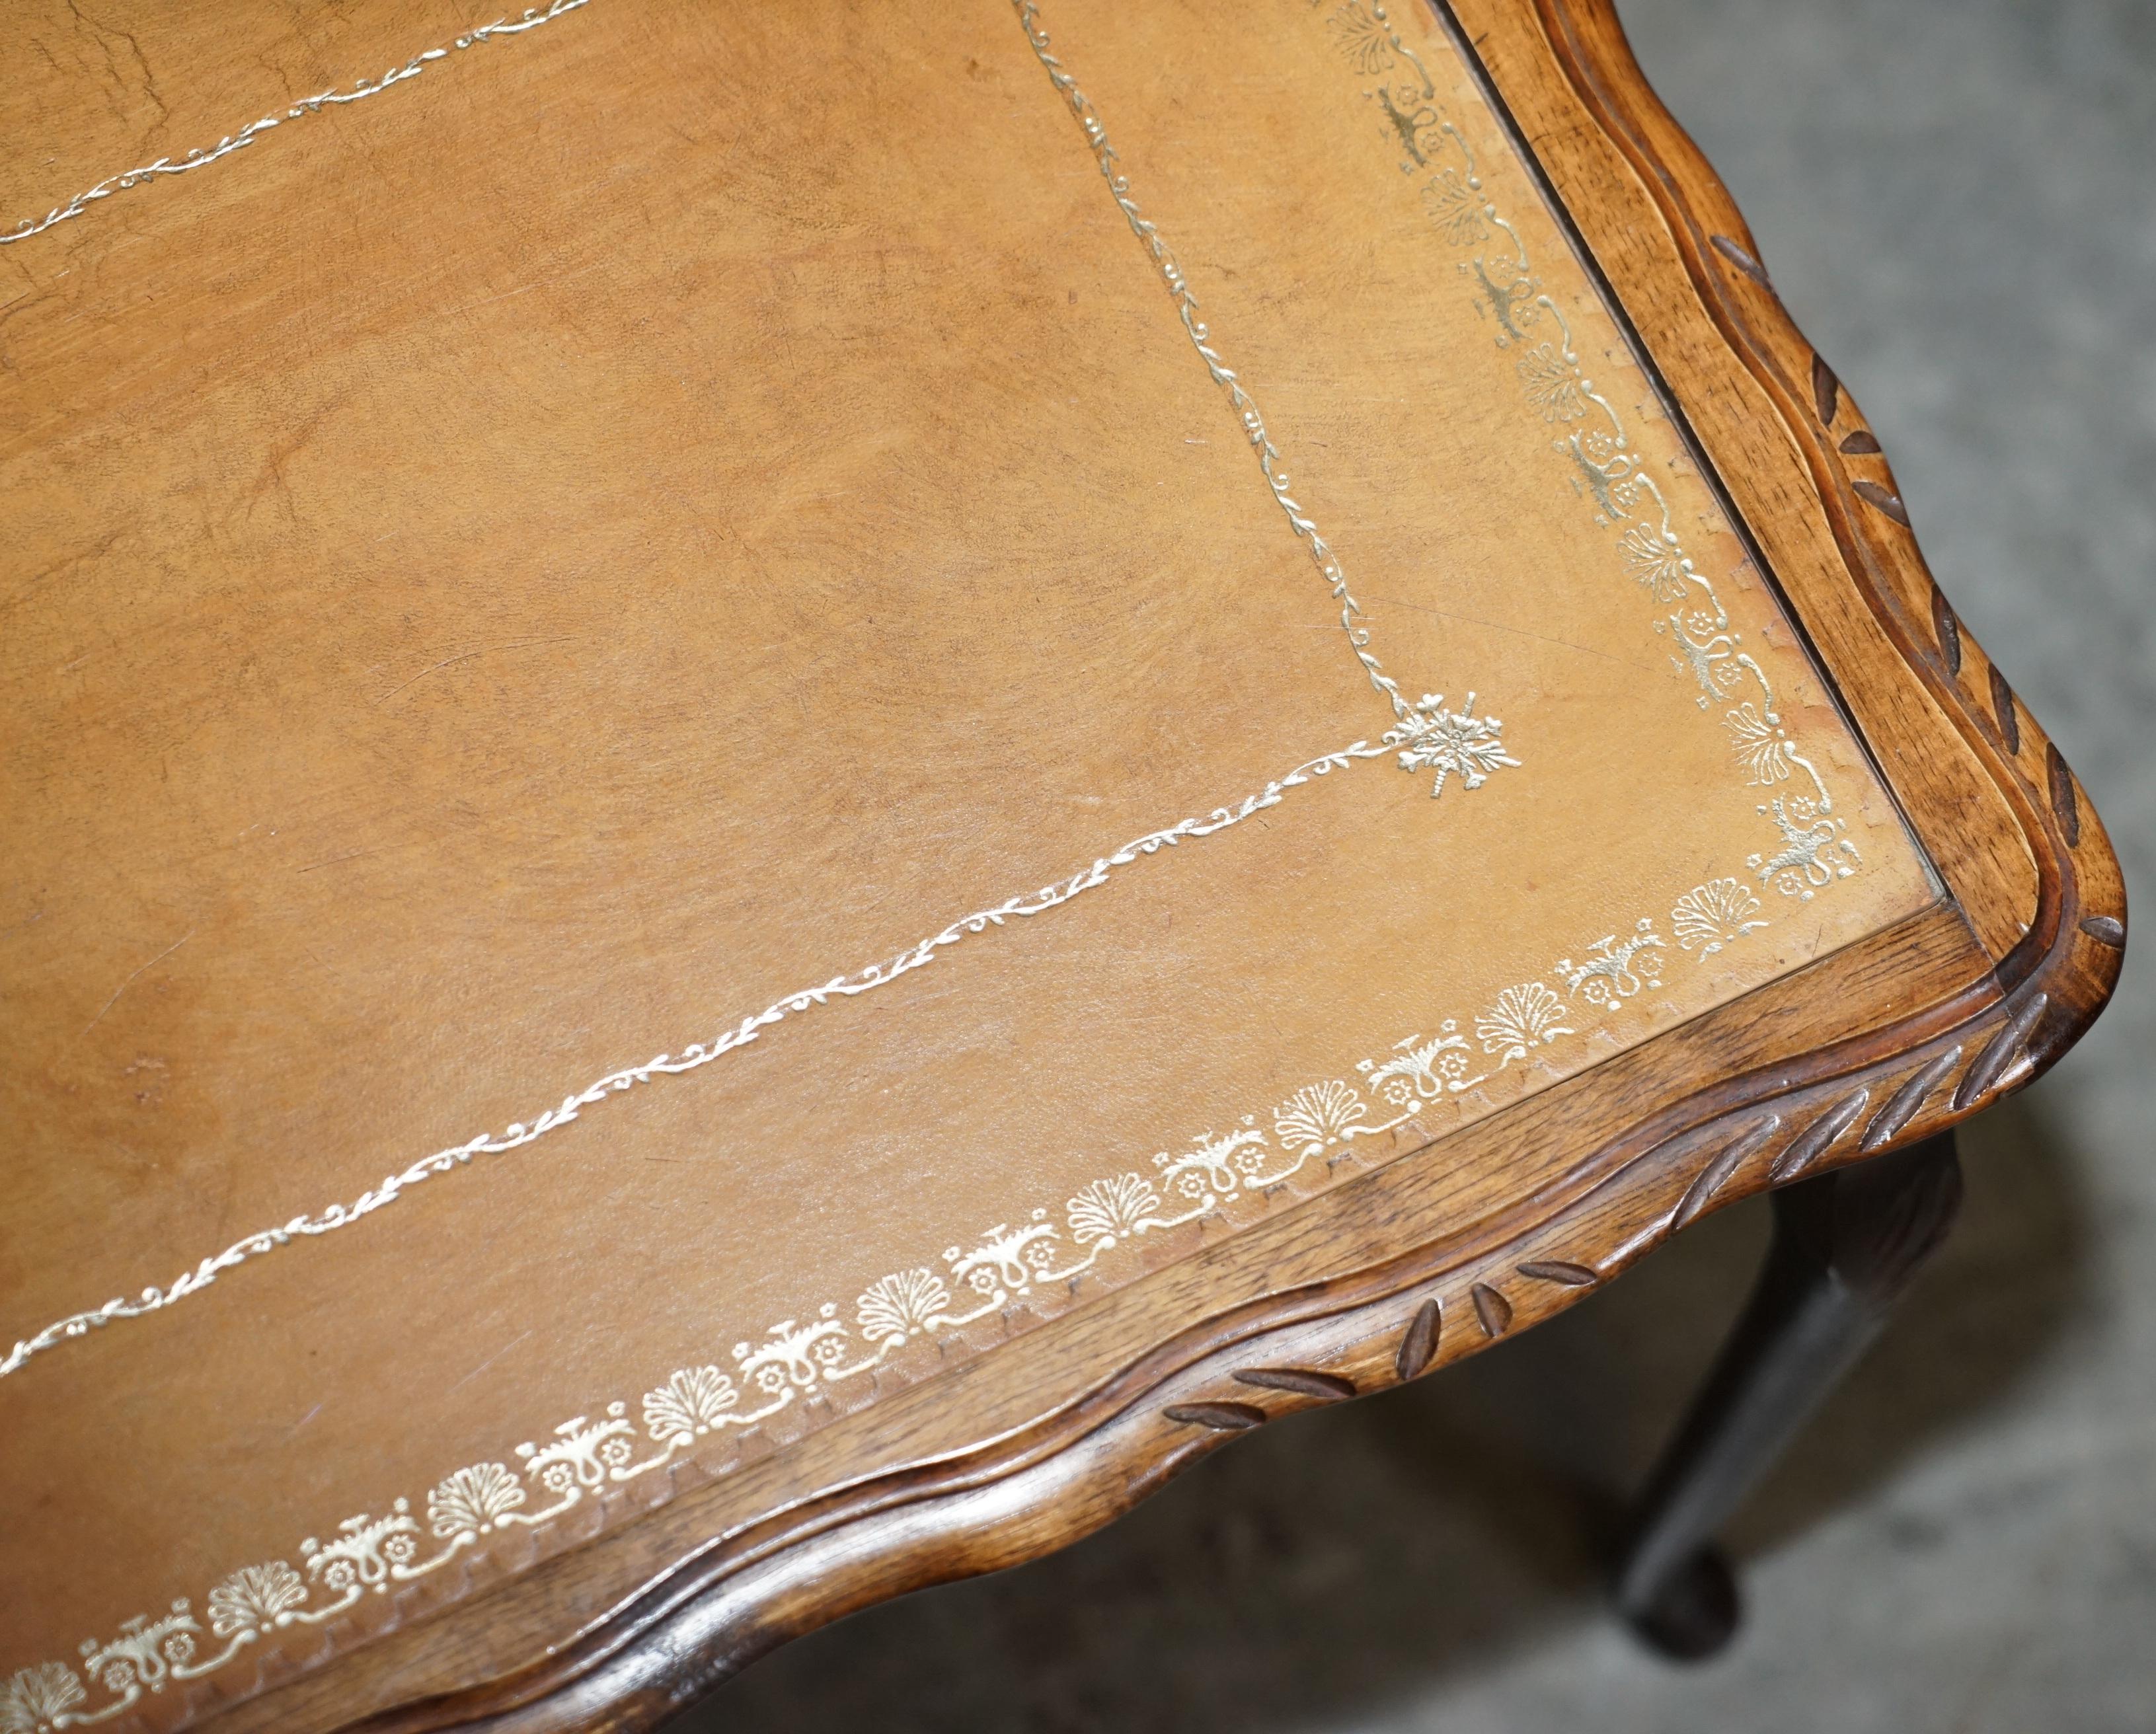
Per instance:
(1845,1244)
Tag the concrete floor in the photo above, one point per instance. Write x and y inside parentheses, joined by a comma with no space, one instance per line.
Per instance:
(1958,198)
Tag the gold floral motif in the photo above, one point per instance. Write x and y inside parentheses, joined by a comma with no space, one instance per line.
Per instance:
(1431,737)
(1522,1018)
(36,1699)
(1454,208)
(1112,1209)
(255,1599)
(1613,968)
(1711,915)
(1658,562)
(1364,41)
(1816,849)
(902,1304)
(1318,1117)
(1420,1069)
(472,1500)
(1551,383)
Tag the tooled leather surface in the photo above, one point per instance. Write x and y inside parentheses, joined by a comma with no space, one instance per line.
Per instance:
(514,582)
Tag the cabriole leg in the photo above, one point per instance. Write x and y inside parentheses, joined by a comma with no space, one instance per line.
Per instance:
(1845,1244)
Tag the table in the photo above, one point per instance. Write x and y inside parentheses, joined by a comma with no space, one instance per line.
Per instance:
(788,794)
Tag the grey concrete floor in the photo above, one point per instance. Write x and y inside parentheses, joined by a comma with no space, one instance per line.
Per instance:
(1958,199)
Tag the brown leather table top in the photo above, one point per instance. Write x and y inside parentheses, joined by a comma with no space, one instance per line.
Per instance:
(680,528)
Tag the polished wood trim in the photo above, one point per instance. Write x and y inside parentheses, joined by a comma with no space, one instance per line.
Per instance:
(1472,1237)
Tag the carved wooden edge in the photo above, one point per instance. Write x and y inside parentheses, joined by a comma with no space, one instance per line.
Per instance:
(1045,1485)
(1049,1485)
